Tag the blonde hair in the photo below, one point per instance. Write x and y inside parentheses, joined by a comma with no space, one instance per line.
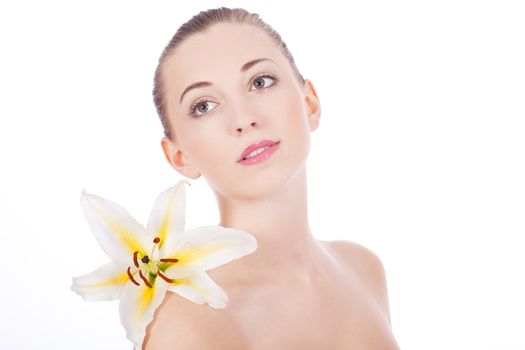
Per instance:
(199,23)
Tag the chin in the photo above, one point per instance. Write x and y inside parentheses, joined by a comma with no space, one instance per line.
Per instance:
(255,182)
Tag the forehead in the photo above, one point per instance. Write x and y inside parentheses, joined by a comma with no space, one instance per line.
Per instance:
(217,53)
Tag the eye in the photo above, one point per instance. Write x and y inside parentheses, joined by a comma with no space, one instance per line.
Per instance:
(261,80)
(196,107)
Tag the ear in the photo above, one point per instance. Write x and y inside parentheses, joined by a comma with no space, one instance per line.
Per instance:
(313,105)
(177,159)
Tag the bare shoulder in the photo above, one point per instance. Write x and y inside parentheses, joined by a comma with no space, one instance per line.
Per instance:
(182,324)
(367,265)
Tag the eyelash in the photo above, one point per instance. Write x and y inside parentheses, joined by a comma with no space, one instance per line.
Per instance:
(195,104)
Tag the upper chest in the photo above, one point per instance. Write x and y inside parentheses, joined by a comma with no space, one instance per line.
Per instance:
(337,313)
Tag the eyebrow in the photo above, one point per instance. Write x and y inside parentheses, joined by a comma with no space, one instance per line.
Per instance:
(244,68)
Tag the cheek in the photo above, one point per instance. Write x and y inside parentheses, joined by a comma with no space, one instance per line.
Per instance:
(203,146)
(297,128)
(293,113)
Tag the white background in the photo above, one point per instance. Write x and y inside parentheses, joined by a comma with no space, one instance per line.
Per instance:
(419,155)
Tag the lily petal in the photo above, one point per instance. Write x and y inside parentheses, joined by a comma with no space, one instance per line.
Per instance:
(167,217)
(117,232)
(207,247)
(136,308)
(105,283)
(200,289)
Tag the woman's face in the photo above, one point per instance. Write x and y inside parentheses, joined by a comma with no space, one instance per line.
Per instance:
(213,124)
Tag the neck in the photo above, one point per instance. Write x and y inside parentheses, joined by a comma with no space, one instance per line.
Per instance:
(279,222)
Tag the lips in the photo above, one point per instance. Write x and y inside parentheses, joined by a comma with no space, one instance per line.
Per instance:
(254,146)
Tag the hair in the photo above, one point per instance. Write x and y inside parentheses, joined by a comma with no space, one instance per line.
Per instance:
(200,23)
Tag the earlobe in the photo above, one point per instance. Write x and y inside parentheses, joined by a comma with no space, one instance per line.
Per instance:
(177,159)
(313,122)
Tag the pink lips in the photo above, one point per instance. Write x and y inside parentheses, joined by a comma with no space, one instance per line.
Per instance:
(255,146)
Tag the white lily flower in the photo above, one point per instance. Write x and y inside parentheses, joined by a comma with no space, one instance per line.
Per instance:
(148,262)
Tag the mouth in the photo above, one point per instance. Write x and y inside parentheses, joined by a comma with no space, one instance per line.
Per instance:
(257,148)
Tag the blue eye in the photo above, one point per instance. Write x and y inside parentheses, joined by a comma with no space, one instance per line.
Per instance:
(203,101)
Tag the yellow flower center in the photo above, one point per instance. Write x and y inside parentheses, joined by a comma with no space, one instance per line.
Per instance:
(149,269)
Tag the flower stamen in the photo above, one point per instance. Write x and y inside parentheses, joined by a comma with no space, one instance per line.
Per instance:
(131,277)
(174,260)
(164,277)
(135,259)
(156,240)
(144,279)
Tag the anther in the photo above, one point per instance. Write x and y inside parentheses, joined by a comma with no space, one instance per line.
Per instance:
(169,260)
(164,277)
(156,240)
(135,259)
(131,277)
(144,279)
(145,259)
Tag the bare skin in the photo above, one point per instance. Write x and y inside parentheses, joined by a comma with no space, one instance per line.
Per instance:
(294,291)
(344,307)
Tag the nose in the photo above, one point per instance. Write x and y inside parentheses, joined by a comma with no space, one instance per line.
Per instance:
(242,117)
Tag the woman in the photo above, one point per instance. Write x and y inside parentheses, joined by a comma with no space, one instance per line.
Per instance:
(227,88)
